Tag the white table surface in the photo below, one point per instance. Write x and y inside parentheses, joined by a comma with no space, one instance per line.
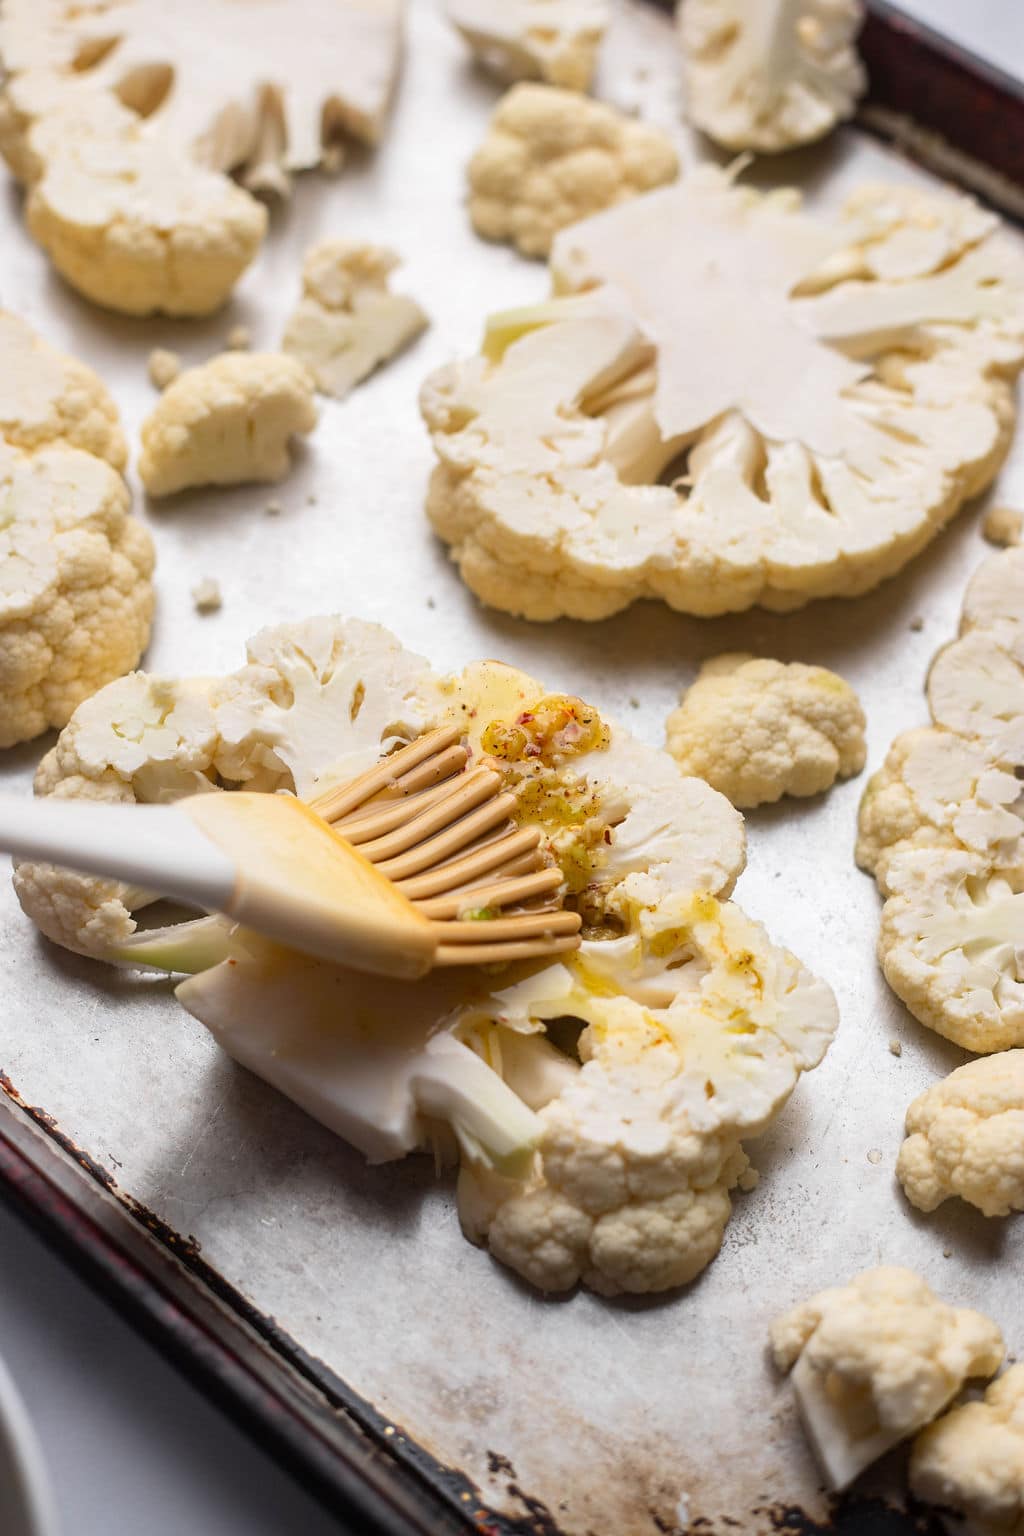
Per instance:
(132,1449)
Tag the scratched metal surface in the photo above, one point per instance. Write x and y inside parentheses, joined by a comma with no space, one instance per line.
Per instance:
(621,1417)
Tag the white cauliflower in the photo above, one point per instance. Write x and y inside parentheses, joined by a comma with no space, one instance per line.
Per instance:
(695,1027)
(875,1360)
(48,397)
(551,157)
(76,601)
(162,367)
(348,322)
(942,828)
(1003,525)
(972,1459)
(584,462)
(227,421)
(552,40)
(773,74)
(297,76)
(758,729)
(965,1137)
(127,219)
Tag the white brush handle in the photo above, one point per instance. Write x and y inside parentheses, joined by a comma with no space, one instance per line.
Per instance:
(155,847)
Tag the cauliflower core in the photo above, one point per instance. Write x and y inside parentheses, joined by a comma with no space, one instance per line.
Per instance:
(693,1027)
(972,1459)
(226,422)
(551,157)
(965,1136)
(584,462)
(942,828)
(758,729)
(76,602)
(876,1360)
(127,219)
(552,40)
(348,322)
(773,74)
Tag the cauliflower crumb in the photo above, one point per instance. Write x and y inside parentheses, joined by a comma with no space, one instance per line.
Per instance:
(226,422)
(163,367)
(551,157)
(1003,525)
(895,1048)
(875,1155)
(965,1137)
(875,1360)
(758,729)
(972,1459)
(348,322)
(206,595)
(917,624)
(238,339)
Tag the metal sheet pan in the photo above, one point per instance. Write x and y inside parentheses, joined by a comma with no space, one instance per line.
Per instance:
(307,1287)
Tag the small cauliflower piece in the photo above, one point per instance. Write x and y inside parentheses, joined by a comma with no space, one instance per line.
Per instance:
(551,157)
(228,421)
(584,463)
(874,1361)
(771,75)
(552,40)
(48,397)
(941,828)
(965,1137)
(695,1027)
(972,1459)
(76,601)
(130,221)
(348,322)
(1003,525)
(163,367)
(206,595)
(758,729)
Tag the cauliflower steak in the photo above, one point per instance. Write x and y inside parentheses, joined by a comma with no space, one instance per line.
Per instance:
(610,1160)
(942,828)
(854,387)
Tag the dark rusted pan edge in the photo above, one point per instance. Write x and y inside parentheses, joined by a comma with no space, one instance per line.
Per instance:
(359,1466)
(945,107)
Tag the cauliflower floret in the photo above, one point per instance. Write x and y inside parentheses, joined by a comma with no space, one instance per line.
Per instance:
(937,789)
(47,397)
(583,462)
(552,40)
(876,1360)
(227,421)
(551,157)
(758,729)
(770,75)
(128,220)
(696,1026)
(965,1136)
(348,322)
(972,1459)
(951,943)
(696,1031)
(76,601)
(942,829)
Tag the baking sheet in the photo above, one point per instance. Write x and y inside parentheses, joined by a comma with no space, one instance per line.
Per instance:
(618,1417)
